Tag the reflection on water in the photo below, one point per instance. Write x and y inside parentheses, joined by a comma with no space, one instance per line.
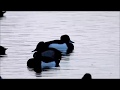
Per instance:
(96,37)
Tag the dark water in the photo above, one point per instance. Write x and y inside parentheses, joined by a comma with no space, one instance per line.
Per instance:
(96,37)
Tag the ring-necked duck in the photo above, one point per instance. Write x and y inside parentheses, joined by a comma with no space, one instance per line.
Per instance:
(44,58)
(64,44)
(2,50)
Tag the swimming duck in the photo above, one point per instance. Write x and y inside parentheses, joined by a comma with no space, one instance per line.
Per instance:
(87,76)
(64,45)
(0,77)
(2,50)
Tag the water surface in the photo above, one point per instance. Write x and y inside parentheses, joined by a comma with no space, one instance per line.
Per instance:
(96,37)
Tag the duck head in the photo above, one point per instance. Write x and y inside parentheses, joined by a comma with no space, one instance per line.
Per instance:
(40,46)
(66,38)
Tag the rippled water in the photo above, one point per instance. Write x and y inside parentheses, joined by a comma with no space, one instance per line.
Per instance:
(96,37)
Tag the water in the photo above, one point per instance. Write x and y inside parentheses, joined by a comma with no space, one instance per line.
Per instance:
(96,37)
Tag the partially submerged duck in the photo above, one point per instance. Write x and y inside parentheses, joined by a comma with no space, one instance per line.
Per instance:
(87,76)
(2,13)
(2,50)
(0,77)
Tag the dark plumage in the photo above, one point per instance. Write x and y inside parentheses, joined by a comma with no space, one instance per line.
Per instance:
(64,44)
(43,54)
(0,77)
(2,50)
(87,76)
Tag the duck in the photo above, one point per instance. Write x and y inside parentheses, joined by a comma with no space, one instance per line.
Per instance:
(2,13)
(87,76)
(2,50)
(44,58)
(64,45)
(0,77)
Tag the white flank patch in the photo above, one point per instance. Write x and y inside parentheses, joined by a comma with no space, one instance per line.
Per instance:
(48,65)
(61,47)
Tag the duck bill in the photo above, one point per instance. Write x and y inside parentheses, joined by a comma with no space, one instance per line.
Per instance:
(34,50)
(71,41)
(5,48)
